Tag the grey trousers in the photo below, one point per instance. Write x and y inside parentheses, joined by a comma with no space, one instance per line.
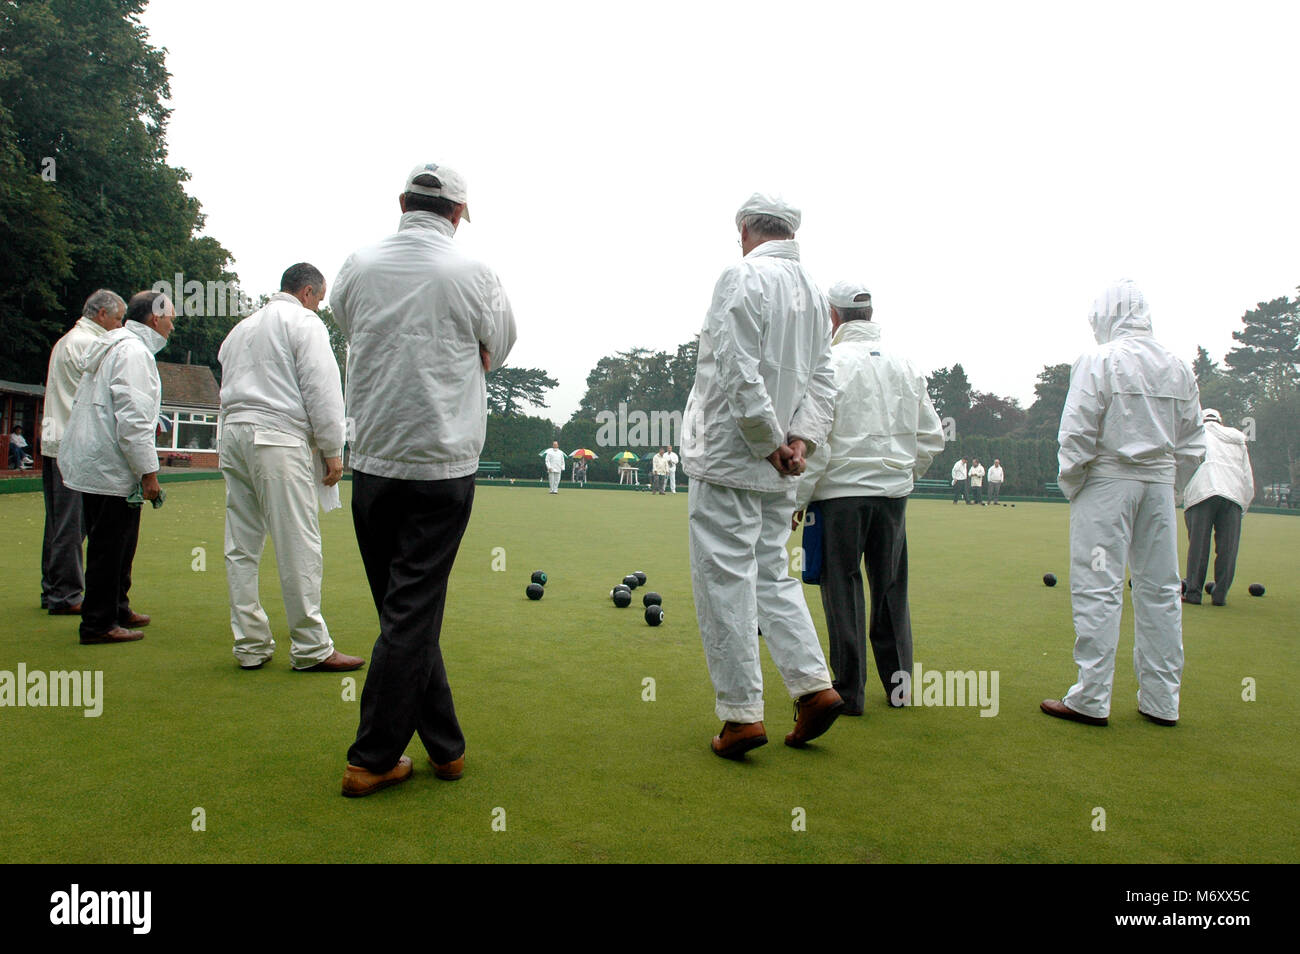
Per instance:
(870,530)
(63,580)
(1222,517)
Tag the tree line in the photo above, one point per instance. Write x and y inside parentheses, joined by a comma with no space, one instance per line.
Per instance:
(1255,388)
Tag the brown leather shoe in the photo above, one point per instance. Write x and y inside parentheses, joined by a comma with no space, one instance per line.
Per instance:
(136,620)
(358,781)
(1055,707)
(1156,719)
(737,738)
(815,713)
(337,662)
(115,635)
(73,610)
(449,771)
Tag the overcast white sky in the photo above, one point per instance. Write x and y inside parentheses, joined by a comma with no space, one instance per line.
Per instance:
(987,168)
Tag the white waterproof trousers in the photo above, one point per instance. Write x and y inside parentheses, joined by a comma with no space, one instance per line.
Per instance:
(270,487)
(1114,521)
(554,477)
(741,583)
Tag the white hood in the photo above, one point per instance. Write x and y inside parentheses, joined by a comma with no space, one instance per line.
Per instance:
(1121,311)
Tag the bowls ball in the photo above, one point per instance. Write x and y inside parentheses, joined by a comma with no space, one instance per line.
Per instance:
(652,599)
(654,614)
(539,577)
(1049,579)
(535,591)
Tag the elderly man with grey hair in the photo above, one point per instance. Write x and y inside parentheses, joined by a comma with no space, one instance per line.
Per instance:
(62,578)
(109,455)
(761,405)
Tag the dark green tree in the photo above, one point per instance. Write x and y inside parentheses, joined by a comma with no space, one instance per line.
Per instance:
(1268,349)
(1043,419)
(950,391)
(89,200)
(508,389)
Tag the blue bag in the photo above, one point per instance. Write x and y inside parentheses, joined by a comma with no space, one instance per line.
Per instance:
(812,544)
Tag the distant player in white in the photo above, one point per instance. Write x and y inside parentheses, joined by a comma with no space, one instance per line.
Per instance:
(554,466)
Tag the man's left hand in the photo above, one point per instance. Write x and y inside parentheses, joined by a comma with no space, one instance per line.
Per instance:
(485,357)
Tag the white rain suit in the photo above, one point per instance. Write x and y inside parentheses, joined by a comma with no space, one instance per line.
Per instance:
(413,418)
(959,472)
(554,467)
(1226,472)
(763,377)
(67,362)
(108,444)
(281,410)
(1130,433)
(885,431)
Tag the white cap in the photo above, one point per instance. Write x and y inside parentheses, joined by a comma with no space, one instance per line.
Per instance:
(1210,414)
(846,295)
(451,184)
(773,205)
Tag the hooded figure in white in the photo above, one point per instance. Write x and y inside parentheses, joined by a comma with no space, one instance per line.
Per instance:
(1130,434)
(1216,498)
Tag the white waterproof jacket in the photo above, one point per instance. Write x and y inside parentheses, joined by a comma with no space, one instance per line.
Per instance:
(415,310)
(109,442)
(67,362)
(1226,471)
(958,471)
(277,371)
(977,475)
(554,460)
(763,374)
(885,431)
(1133,409)
(995,474)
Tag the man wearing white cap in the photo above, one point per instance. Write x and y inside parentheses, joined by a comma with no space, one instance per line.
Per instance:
(760,407)
(1130,435)
(1216,498)
(884,435)
(424,322)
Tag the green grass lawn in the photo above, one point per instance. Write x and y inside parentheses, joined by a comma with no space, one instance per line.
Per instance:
(562,745)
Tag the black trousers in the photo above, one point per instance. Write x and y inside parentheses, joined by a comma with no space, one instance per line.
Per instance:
(870,530)
(113,529)
(408,532)
(960,491)
(62,578)
(1222,517)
